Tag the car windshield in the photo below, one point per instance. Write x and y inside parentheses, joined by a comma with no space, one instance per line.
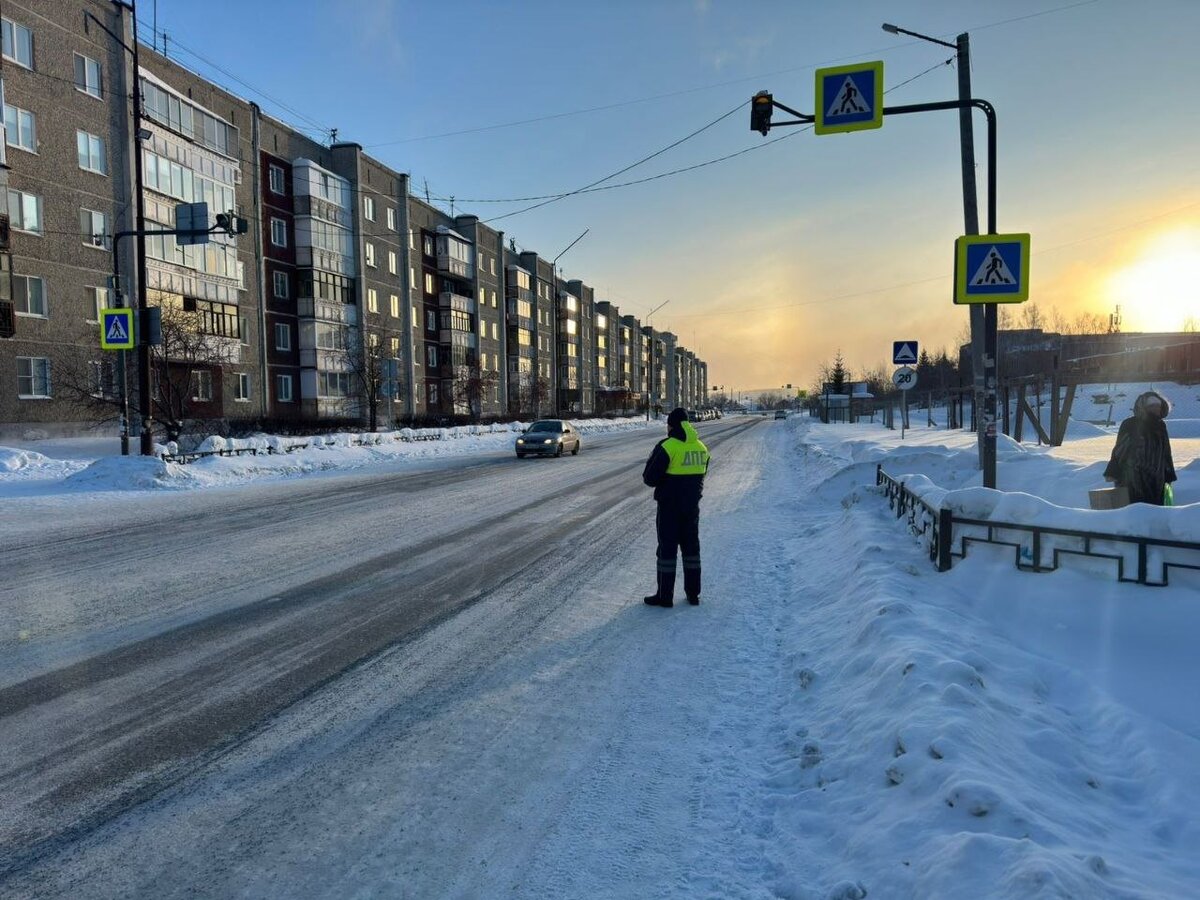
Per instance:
(546,426)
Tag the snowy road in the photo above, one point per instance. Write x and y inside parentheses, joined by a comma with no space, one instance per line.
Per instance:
(438,680)
(159,645)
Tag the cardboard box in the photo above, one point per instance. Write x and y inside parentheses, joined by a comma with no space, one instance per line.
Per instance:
(1109,498)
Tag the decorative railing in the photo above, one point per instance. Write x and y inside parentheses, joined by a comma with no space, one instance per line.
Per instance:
(1036,548)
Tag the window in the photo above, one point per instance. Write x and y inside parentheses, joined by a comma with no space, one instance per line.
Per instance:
(278,232)
(392,266)
(495,302)
(93,226)
(29,295)
(87,75)
(20,128)
(391,218)
(25,211)
(283,388)
(482,297)
(244,330)
(369,208)
(495,331)
(429,288)
(97,298)
(395,348)
(91,153)
(202,386)
(431,356)
(276,174)
(33,377)
(283,336)
(395,306)
(430,320)
(280,283)
(433,394)
(428,245)
(372,300)
(492,262)
(370,254)
(18,43)
(412,278)
(242,387)
(373,341)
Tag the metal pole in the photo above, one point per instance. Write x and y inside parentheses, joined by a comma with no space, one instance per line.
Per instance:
(122,360)
(143,345)
(978,313)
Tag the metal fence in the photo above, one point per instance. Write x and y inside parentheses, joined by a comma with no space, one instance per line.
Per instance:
(1036,548)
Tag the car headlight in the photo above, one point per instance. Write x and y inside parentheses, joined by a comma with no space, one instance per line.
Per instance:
(548,441)
(520,440)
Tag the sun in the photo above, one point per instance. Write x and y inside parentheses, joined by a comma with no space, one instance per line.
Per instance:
(1160,289)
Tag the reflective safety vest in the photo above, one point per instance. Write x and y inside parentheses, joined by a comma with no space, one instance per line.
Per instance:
(687,457)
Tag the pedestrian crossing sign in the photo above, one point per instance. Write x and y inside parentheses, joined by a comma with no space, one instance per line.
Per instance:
(116,329)
(991,268)
(849,98)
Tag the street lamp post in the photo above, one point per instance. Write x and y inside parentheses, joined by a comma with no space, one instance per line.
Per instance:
(983,316)
(554,288)
(653,378)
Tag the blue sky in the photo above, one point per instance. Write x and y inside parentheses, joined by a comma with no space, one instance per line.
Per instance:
(775,259)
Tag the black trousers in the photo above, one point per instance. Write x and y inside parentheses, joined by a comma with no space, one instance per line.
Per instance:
(678,530)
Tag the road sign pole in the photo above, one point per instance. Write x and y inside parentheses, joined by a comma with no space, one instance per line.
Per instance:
(971,226)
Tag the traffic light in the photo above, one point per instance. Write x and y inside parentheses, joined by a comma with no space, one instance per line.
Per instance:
(232,224)
(761,108)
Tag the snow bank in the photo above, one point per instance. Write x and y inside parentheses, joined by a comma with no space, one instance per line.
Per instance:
(12,460)
(130,473)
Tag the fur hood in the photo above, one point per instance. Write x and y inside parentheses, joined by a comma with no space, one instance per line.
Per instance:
(1139,405)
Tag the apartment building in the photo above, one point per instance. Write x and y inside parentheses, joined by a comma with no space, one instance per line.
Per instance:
(348,298)
(68,190)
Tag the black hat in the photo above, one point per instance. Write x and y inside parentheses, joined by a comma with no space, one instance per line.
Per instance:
(679,414)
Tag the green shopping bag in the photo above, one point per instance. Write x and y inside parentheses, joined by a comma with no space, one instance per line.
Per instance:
(1168,495)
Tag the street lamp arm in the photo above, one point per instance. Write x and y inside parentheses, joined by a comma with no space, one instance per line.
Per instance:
(893,29)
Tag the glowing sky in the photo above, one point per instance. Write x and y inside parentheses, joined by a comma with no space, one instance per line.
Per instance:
(775,259)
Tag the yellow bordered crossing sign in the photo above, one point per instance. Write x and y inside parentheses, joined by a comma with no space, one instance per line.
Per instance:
(116,329)
(849,98)
(991,268)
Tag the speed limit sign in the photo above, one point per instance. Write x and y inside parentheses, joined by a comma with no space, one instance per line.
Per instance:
(905,378)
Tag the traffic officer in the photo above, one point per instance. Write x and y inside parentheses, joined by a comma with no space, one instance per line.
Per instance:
(676,470)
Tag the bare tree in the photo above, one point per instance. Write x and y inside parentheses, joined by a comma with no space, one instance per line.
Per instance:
(719,399)
(471,385)
(772,400)
(195,346)
(1031,316)
(1191,325)
(87,379)
(374,372)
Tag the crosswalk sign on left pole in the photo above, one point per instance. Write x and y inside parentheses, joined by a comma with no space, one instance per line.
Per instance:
(849,98)
(116,329)
(991,268)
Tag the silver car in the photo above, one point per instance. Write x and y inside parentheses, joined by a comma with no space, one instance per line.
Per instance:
(548,437)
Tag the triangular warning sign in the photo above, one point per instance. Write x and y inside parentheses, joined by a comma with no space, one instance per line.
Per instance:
(905,354)
(116,331)
(848,100)
(993,270)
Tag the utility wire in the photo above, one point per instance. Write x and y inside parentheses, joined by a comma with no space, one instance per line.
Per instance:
(633,165)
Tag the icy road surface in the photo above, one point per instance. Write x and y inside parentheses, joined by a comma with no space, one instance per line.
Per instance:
(440,681)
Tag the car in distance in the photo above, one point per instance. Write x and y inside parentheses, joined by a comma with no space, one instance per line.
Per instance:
(781,414)
(548,437)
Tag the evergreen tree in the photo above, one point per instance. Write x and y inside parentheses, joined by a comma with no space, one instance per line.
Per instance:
(837,375)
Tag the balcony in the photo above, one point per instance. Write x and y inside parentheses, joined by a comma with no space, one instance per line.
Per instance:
(449,265)
(456,338)
(325,311)
(319,208)
(518,293)
(450,300)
